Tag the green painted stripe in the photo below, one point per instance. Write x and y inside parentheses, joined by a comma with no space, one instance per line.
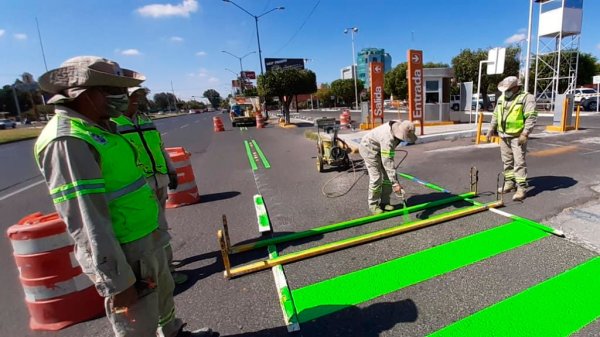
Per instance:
(261,213)
(261,154)
(424,183)
(348,224)
(250,158)
(557,307)
(347,290)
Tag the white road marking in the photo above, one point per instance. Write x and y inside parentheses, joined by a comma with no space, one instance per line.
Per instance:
(163,134)
(22,189)
(184,126)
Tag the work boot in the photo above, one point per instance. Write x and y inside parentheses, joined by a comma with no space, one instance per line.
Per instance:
(388,208)
(179,278)
(375,210)
(204,332)
(520,195)
(509,186)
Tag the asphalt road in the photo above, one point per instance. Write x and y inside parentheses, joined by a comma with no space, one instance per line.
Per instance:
(562,171)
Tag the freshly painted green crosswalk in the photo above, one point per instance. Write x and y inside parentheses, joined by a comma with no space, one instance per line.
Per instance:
(557,307)
(347,290)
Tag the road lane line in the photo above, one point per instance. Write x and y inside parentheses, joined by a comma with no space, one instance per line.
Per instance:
(163,133)
(250,157)
(22,189)
(184,126)
(262,155)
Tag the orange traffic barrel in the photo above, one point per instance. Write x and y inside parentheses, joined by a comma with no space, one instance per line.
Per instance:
(218,124)
(345,118)
(260,121)
(186,192)
(57,292)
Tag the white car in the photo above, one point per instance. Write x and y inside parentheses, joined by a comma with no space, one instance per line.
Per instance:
(582,93)
(7,124)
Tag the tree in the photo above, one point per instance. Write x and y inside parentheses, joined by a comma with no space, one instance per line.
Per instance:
(345,89)
(587,67)
(324,95)
(213,97)
(250,92)
(285,83)
(164,100)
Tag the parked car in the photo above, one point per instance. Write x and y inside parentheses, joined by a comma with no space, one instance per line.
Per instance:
(590,104)
(455,102)
(7,123)
(583,93)
(543,101)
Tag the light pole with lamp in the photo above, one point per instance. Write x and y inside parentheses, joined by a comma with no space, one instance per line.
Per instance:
(353,30)
(242,75)
(256,17)
(237,77)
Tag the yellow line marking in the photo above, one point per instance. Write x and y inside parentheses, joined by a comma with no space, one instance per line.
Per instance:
(554,151)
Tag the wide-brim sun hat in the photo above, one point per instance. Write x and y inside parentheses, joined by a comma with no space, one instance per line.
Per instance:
(404,130)
(509,83)
(133,90)
(82,72)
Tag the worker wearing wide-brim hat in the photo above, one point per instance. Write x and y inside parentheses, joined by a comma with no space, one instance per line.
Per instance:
(378,148)
(102,196)
(513,120)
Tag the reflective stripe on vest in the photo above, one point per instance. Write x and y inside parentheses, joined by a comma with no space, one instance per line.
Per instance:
(146,140)
(132,203)
(511,122)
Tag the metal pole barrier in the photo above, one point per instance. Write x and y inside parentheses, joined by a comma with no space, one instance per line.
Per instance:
(563,122)
(577,118)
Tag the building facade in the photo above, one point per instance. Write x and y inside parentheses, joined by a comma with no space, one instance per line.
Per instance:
(368,55)
(346,73)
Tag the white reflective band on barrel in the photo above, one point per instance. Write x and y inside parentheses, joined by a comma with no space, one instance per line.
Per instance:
(181,164)
(184,187)
(40,293)
(45,244)
(74,262)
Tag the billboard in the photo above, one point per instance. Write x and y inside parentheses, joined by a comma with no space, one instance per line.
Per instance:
(416,94)
(376,73)
(283,63)
(249,75)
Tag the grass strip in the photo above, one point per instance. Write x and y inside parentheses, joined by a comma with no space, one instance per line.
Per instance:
(250,157)
(347,290)
(13,135)
(347,224)
(264,160)
(556,307)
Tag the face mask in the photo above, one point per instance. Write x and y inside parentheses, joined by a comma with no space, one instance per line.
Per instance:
(116,104)
(508,94)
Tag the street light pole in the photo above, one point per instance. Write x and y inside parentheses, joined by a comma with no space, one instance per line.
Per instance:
(242,74)
(528,59)
(353,30)
(256,17)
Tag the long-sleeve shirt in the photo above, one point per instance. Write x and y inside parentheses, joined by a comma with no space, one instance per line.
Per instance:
(528,112)
(381,142)
(87,217)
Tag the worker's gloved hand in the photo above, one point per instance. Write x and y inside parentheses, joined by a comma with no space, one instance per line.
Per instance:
(489,135)
(125,299)
(173,182)
(523,139)
(397,188)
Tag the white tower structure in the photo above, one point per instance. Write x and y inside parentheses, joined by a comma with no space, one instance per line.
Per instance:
(557,55)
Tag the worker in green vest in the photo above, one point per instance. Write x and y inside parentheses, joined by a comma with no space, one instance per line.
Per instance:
(99,191)
(513,120)
(141,132)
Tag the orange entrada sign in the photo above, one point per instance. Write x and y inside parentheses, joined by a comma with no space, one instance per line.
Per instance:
(376,71)
(416,94)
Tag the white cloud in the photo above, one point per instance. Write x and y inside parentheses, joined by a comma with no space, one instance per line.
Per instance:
(131,52)
(159,10)
(20,36)
(176,39)
(213,80)
(2,31)
(201,53)
(516,38)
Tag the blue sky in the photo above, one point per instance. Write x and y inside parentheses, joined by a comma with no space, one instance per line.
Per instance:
(181,40)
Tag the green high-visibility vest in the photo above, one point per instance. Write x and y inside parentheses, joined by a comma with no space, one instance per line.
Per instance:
(131,202)
(147,141)
(511,121)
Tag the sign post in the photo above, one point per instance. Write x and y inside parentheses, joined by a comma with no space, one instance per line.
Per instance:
(376,71)
(596,80)
(416,94)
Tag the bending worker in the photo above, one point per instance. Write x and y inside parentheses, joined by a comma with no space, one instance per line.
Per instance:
(98,190)
(513,120)
(378,149)
(156,165)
